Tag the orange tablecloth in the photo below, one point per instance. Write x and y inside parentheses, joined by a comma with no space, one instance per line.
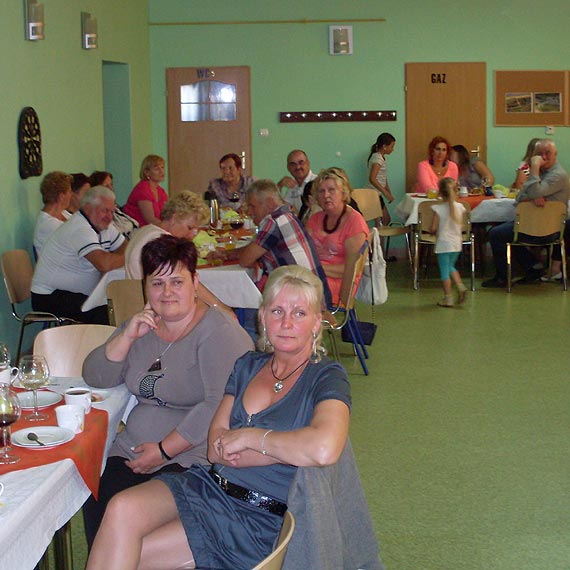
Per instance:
(474,201)
(86,449)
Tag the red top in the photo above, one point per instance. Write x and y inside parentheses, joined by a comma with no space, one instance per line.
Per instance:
(143,191)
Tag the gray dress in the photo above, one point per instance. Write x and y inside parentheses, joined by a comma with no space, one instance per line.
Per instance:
(183,394)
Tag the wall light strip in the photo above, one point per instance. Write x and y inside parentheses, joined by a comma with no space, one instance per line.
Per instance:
(336,116)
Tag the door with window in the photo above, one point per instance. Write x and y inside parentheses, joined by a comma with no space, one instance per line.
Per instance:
(208,115)
(447,99)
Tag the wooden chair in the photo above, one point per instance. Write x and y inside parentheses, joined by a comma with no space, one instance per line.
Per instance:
(337,318)
(422,236)
(539,222)
(65,348)
(125,297)
(18,271)
(370,208)
(275,560)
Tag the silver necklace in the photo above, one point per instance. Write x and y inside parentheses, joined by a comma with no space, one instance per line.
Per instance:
(157,364)
(278,386)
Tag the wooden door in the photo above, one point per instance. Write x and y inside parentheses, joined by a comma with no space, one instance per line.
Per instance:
(209,115)
(447,99)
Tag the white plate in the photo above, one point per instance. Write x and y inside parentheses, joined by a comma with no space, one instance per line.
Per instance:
(48,435)
(98,396)
(45,399)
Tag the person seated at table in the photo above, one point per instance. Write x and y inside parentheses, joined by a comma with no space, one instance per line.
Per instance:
(56,195)
(75,256)
(147,198)
(79,186)
(169,357)
(523,169)
(338,230)
(182,216)
(546,181)
(123,222)
(282,409)
(473,172)
(438,166)
(231,188)
(293,187)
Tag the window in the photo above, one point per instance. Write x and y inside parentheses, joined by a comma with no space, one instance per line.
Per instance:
(208,101)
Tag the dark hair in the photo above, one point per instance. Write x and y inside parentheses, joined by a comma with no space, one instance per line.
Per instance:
(234,157)
(79,180)
(463,154)
(98,177)
(164,253)
(383,139)
(434,142)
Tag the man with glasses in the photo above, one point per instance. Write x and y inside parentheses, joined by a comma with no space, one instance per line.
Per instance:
(292,186)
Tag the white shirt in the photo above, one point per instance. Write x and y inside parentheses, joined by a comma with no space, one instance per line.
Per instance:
(141,237)
(62,264)
(449,236)
(293,195)
(46,224)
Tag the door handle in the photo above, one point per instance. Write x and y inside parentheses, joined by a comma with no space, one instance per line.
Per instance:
(242,156)
(476,151)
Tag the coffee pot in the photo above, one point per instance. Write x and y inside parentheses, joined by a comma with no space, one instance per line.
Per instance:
(214,207)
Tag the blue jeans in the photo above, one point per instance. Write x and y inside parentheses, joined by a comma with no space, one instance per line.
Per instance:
(500,235)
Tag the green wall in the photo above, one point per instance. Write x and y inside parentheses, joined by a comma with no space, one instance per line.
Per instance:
(63,83)
(291,68)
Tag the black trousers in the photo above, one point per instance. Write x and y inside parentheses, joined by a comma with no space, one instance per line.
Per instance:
(68,304)
(116,478)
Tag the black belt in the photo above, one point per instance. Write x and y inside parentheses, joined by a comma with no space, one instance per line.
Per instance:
(254,498)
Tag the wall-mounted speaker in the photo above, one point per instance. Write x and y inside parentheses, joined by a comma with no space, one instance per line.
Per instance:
(88,31)
(34,20)
(340,40)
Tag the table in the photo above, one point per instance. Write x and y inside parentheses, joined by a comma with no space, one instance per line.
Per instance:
(40,500)
(98,296)
(487,211)
(232,284)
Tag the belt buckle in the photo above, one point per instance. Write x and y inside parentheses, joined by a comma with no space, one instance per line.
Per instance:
(222,481)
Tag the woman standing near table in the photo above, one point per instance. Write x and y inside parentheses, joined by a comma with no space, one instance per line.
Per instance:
(438,166)
(473,172)
(147,198)
(169,357)
(282,409)
(338,230)
(377,176)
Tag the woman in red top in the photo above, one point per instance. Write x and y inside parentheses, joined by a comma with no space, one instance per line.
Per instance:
(147,198)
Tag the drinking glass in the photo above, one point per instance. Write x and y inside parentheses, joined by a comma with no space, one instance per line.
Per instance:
(10,411)
(234,197)
(4,356)
(34,373)
(236,223)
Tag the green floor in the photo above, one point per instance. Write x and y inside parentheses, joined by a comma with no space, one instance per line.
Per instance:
(461,431)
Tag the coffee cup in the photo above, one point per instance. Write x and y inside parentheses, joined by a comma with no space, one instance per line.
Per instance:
(463,191)
(80,397)
(71,416)
(8,375)
(1,488)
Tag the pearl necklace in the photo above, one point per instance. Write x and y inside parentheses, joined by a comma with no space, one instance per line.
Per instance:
(278,386)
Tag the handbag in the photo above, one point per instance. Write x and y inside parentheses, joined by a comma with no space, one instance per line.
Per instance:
(373,289)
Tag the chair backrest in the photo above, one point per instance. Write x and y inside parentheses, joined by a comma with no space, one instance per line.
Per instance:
(275,560)
(18,271)
(539,221)
(348,302)
(368,203)
(65,348)
(125,297)
(425,218)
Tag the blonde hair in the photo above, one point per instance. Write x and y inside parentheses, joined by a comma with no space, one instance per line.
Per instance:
(148,162)
(184,205)
(447,188)
(340,178)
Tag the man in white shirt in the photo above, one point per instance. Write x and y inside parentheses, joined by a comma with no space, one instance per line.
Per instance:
(292,188)
(75,256)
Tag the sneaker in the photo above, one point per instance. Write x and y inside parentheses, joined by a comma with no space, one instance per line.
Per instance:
(445,302)
(552,278)
(461,291)
(494,283)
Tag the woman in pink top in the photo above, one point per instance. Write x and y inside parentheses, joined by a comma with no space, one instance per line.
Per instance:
(431,171)
(338,230)
(147,198)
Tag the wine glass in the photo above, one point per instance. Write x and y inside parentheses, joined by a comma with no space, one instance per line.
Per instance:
(34,373)
(10,411)
(4,356)
(236,223)
(234,197)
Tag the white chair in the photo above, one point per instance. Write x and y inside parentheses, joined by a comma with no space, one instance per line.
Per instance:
(275,560)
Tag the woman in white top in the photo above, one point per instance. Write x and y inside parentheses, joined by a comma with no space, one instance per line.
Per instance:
(447,225)
(377,176)
(56,194)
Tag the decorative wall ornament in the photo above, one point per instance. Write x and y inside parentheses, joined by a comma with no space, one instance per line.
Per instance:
(30,143)
(335,116)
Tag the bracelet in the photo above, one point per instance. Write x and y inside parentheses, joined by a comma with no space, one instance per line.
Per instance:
(263,451)
(162,452)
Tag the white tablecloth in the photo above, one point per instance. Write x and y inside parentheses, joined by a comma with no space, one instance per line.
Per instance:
(99,295)
(40,500)
(493,210)
(232,284)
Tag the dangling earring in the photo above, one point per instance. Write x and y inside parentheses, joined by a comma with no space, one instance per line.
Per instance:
(315,356)
(264,344)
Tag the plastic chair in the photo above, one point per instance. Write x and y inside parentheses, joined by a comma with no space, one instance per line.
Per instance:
(275,560)
(539,222)
(370,208)
(422,236)
(344,315)
(125,297)
(65,348)
(18,271)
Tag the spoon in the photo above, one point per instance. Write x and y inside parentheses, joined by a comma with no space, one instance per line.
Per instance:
(34,437)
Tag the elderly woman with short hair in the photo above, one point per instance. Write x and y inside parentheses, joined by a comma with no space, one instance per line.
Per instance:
(231,187)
